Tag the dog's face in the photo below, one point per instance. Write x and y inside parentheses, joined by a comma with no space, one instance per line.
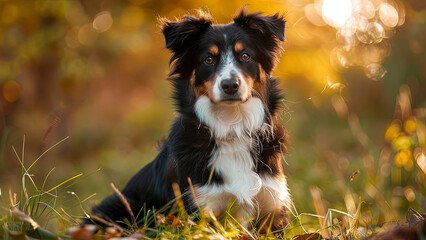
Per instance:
(227,67)
(227,63)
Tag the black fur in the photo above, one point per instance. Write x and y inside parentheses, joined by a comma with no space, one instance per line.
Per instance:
(189,146)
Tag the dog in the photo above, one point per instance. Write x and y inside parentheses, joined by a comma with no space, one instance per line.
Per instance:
(226,140)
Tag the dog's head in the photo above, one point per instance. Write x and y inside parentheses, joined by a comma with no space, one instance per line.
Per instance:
(227,63)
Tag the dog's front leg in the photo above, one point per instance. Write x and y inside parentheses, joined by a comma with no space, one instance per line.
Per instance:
(244,215)
(276,220)
(274,201)
(216,205)
(211,200)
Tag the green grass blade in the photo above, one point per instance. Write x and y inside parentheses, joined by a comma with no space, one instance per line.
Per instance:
(23,172)
(23,150)
(82,201)
(89,197)
(81,179)
(81,206)
(355,220)
(54,145)
(21,202)
(62,183)
(51,208)
(32,181)
(45,179)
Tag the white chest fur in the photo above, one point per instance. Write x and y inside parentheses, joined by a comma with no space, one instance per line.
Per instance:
(229,121)
(233,128)
(233,161)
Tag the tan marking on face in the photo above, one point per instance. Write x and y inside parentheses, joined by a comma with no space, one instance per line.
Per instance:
(192,79)
(259,87)
(247,88)
(200,91)
(262,73)
(258,90)
(214,50)
(238,47)
(205,90)
(209,88)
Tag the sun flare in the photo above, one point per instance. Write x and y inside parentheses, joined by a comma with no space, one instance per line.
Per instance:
(336,12)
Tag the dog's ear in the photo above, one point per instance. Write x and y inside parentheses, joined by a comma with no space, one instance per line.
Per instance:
(266,32)
(176,33)
(265,25)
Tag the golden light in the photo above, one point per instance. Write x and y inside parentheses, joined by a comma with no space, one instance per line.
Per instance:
(409,194)
(388,15)
(71,39)
(132,16)
(374,33)
(375,71)
(86,35)
(103,21)
(11,91)
(402,142)
(345,41)
(336,12)
(365,8)
(362,27)
(339,106)
(421,161)
(393,131)
(349,28)
(76,15)
(313,14)
(404,158)
(9,14)
(410,125)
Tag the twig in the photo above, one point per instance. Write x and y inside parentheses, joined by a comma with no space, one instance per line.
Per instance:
(264,222)
(120,229)
(178,195)
(126,204)
(193,192)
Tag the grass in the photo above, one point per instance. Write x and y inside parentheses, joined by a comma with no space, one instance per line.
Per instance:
(41,204)
(40,211)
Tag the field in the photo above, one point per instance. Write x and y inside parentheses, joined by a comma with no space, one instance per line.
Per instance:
(84,101)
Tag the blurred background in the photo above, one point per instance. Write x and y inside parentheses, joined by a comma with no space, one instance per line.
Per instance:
(353,73)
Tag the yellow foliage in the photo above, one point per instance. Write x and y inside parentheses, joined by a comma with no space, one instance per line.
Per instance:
(404,158)
(9,14)
(410,125)
(393,132)
(133,16)
(402,142)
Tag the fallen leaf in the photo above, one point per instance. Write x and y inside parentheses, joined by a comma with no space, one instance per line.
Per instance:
(308,236)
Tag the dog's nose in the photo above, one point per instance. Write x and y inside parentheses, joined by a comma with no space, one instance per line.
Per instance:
(230,86)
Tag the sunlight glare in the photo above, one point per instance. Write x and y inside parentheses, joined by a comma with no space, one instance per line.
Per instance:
(313,14)
(336,12)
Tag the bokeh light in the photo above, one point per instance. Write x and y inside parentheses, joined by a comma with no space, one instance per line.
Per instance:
(388,15)
(103,21)
(11,91)
(336,12)
(358,23)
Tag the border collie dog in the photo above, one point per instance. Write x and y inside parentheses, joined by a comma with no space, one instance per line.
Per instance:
(226,139)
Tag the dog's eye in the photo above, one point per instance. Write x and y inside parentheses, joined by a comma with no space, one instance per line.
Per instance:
(209,60)
(245,57)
